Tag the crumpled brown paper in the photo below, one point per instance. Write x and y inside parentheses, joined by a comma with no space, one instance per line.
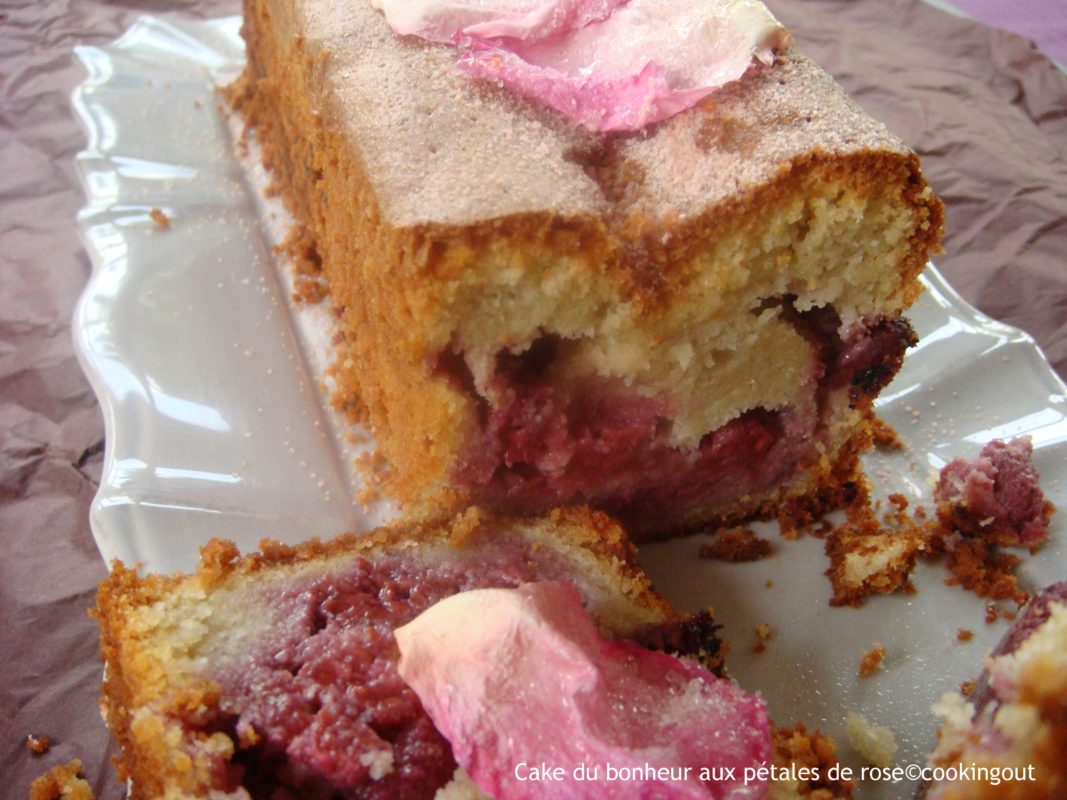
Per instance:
(985,109)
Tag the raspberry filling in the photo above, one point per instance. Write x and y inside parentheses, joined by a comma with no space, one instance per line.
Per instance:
(317,707)
(543,444)
(318,703)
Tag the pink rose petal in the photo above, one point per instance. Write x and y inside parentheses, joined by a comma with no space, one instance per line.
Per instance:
(519,678)
(524,20)
(609,65)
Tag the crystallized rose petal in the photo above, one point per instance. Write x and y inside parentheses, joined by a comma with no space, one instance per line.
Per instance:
(608,65)
(526,20)
(519,682)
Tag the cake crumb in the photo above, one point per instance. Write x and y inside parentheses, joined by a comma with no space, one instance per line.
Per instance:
(867,557)
(247,737)
(981,568)
(798,515)
(38,745)
(990,502)
(875,743)
(964,635)
(872,660)
(736,545)
(763,635)
(378,762)
(817,752)
(990,613)
(160,218)
(996,497)
(884,435)
(898,500)
(967,687)
(461,787)
(62,783)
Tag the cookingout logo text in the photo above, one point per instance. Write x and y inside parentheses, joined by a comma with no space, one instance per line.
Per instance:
(547,773)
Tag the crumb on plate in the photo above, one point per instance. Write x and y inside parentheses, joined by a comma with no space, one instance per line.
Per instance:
(735,545)
(872,660)
(875,743)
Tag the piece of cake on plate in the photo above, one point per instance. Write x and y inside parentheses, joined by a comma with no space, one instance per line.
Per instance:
(481,654)
(641,255)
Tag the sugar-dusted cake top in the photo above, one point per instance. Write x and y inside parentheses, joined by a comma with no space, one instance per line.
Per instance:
(519,677)
(608,65)
(445,148)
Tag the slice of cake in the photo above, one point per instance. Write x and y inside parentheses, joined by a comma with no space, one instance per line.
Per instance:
(275,675)
(1008,738)
(679,324)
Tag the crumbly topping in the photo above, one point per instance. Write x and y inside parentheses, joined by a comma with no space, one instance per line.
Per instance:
(996,496)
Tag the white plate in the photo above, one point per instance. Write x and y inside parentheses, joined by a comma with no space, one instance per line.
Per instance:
(216,424)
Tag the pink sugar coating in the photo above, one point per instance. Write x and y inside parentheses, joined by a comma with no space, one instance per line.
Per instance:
(519,678)
(609,65)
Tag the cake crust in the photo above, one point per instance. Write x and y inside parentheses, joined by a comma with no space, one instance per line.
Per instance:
(456,223)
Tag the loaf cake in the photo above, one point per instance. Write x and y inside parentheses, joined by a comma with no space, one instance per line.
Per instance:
(274,675)
(680,324)
(1008,737)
